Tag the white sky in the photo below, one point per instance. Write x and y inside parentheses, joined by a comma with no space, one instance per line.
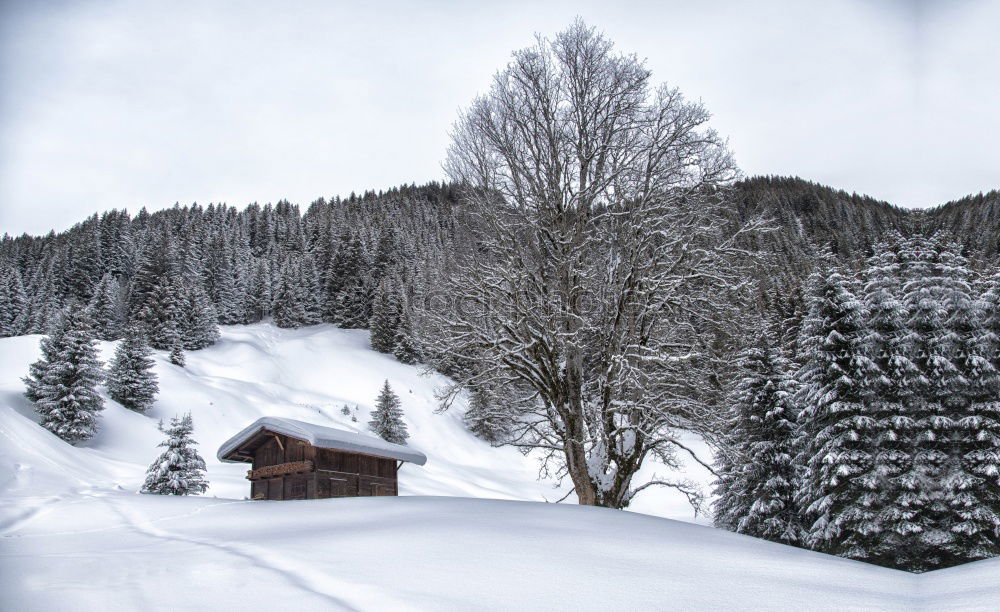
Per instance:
(130,104)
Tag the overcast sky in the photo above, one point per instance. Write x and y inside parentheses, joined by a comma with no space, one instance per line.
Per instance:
(130,104)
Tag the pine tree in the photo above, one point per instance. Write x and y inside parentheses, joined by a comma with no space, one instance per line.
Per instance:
(44,303)
(839,488)
(755,491)
(349,300)
(220,280)
(891,345)
(63,383)
(163,314)
(354,305)
(290,300)
(13,303)
(106,309)
(343,269)
(387,418)
(486,418)
(970,398)
(179,470)
(406,348)
(385,255)
(258,302)
(131,380)
(158,262)
(933,404)
(384,322)
(84,250)
(311,303)
(199,325)
(978,504)
(176,355)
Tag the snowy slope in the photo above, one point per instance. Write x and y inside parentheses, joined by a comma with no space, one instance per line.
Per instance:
(120,551)
(75,535)
(257,370)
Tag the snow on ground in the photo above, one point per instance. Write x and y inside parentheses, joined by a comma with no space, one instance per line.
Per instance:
(259,370)
(75,535)
(119,551)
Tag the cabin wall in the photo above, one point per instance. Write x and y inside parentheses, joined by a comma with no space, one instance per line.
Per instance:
(336,473)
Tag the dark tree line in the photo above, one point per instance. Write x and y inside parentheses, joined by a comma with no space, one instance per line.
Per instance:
(181,272)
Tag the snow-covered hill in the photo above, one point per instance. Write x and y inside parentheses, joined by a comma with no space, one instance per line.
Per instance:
(118,551)
(75,535)
(307,374)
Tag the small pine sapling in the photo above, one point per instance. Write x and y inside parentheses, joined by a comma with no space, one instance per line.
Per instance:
(177,354)
(387,419)
(179,470)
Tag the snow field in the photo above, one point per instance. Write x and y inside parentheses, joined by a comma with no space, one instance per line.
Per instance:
(74,535)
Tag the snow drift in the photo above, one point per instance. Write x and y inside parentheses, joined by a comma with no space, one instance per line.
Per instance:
(75,535)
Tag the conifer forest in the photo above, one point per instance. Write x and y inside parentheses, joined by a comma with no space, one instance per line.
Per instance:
(596,279)
(854,407)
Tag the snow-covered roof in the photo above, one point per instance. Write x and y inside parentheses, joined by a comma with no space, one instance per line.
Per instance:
(322,437)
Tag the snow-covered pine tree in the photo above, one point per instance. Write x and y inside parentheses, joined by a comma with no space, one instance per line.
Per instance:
(231,308)
(342,270)
(891,345)
(44,303)
(387,418)
(258,302)
(354,305)
(176,355)
(162,314)
(117,244)
(384,321)
(13,302)
(179,470)
(289,307)
(199,325)
(157,261)
(757,482)
(839,488)
(131,380)
(937,393)
(385,255)
(84,253)
(980,448)
(971,398)
(242,272)
(63,383)
(486,418)
(406,349)
(350,305)
(220,280)
(106,309)
(311,303)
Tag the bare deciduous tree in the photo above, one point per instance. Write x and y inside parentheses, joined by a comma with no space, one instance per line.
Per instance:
(604,262)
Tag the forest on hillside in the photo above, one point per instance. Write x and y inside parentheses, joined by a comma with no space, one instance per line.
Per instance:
(595,281)
(381,260)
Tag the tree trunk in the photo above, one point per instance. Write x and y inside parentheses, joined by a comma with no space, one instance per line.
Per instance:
(574,436)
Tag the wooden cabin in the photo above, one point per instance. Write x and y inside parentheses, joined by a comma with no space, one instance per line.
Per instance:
(296,460)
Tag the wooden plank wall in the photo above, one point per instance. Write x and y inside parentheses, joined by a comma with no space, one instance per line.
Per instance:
(338,474)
